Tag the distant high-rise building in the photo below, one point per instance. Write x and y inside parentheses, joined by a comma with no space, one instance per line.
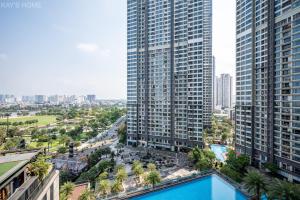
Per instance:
(54,99)
(40,99)
(2,98)
(28,99)
(224,91)
(268,83)
(91,98)
(169,85)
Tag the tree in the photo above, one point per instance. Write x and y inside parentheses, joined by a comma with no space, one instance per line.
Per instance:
(121,174)
(87,195)
(103,176)
(195,155)
(238,163)
(271,167)
(255,182)
(116,187)
(153,178)
(62,150)
(12,143)
(39,167)
(233,174)
(104,187)
(283,190)
(151,167)
(65,140)
(2,135)
(203,164)
(210,156)
(224,137)
(122,133)
(137,169)
(66,190)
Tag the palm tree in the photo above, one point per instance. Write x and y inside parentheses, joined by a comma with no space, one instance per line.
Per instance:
(87,195)
(66,190)
(284,190)
(116,187)
(255,182)
(121,174)
(103,176)
(104,187)
(153,178)
(151,167)
(137,169)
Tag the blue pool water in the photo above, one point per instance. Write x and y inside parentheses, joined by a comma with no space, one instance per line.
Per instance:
(208,188)
(219,151)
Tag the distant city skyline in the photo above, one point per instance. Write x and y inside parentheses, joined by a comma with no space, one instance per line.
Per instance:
(48,51)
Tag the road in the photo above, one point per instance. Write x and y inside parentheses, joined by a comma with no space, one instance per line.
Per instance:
(107,137)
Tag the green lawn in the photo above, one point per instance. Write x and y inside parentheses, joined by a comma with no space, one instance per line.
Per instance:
(5,167)
(53,147)
(43,120)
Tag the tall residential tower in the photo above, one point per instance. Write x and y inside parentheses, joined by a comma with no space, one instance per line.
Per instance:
(169,63)
(268,83)
(224,91)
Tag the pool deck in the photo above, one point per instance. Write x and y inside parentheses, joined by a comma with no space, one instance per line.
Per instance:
(181,181)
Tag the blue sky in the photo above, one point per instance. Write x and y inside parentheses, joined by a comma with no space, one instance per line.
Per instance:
(79,47)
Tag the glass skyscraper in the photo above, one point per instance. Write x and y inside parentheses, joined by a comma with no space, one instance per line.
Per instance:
(268,83)
(169,69)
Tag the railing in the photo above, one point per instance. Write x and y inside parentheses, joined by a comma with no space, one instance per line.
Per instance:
(34,188)
(42,185)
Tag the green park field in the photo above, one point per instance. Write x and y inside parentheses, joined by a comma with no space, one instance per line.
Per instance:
(43,120)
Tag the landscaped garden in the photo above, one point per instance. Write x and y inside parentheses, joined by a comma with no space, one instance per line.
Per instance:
(54,128)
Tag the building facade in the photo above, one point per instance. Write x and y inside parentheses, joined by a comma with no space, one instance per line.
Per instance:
(214,84)
(18,183)
(224,91)
(169,69)
(268,83)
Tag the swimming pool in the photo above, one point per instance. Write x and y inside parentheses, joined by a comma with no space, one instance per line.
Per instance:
(211,187)
(220,151)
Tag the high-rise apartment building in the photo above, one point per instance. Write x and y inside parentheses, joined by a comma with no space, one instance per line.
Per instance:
(224,91)
(169,87)
(214,84)
(268,83)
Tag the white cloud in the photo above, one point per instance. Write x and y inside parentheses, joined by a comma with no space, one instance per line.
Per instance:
(93,48)
(3,56)
(88,47)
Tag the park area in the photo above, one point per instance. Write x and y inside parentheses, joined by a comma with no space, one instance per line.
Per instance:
(41,120)
(55,128)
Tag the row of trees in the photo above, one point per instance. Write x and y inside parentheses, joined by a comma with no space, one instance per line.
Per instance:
(221,130)
(19,123)
(149,177)
(255,182)
(273,189)
(67,189)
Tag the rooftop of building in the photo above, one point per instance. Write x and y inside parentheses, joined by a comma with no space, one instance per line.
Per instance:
(12,162)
